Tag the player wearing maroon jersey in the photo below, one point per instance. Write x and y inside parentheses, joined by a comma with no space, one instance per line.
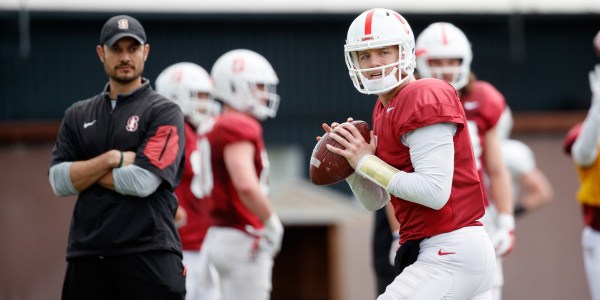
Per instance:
(444,52)
(191,87)
(582,144)
(421,160)
(246,232)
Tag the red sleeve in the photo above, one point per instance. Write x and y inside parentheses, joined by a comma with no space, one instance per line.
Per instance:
(571,137)
(494,103)
(239,127)
(427,102)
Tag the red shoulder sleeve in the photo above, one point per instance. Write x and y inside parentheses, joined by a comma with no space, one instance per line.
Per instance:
(571,137)
(426,102)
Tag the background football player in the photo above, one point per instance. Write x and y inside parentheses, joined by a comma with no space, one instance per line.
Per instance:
(444,52)
(191,87)
(246,233)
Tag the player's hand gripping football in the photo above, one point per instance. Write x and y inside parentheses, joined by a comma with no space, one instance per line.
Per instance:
(504,238)
(270,236)
(355,146)
(595,84)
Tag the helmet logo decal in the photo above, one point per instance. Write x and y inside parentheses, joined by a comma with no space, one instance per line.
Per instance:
(238,65)
(132,123)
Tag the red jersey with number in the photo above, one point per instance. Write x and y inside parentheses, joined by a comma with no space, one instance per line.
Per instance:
(227,208)
(419,104)
(483,107)
(196,206)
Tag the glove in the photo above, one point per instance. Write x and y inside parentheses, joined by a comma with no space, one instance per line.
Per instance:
(395,246)
(270,236)
(504,238)
(595,84)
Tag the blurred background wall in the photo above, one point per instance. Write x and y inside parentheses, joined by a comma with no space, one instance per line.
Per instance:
(537,54)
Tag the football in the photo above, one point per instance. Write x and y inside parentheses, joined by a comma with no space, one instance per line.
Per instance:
(329,168)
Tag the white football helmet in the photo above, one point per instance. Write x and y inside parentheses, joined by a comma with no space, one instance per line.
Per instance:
(378,28)
(182,83)
(505,124)
(246,81)
(444,40)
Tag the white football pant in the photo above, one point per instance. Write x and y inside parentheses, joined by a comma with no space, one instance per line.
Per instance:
(489,223)
(454,265)
(244,272)
(201,280)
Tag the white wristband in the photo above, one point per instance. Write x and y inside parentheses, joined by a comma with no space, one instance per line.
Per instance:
(376,170)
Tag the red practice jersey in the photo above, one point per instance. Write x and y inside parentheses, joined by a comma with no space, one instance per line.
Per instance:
(483,106)
(196,206)
(419,104)
(227,208)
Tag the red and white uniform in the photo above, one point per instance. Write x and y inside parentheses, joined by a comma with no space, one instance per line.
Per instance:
(228,210)
(197,209)
(456,259)
(419,104)
(483,107)
(201,280)
(245,273)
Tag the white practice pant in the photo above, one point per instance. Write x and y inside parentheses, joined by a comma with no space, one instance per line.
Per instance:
(244,272)
(454,265)
(590,242)
(489,223)
(201,280)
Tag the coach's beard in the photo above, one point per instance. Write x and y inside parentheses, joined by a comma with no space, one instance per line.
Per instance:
(126,78)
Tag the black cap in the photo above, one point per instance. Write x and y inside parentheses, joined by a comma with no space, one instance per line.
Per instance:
(119,27)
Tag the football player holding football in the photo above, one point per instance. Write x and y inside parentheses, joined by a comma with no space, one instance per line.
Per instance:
(419,124)
(191,87)
(246,233)
(444,52)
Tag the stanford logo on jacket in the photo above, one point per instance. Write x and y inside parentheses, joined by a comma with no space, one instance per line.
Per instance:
(132,123)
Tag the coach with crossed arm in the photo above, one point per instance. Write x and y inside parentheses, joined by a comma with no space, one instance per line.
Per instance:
(121,151)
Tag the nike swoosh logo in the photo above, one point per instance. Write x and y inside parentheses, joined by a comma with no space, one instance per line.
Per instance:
(389,109)
(441,253)
(88,124)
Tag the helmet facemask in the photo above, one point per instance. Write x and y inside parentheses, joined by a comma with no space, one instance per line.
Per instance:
(458,75)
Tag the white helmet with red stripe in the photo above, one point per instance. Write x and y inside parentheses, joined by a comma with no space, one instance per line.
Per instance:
(190,86)
(246,81)
(379,28)
(444,41)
